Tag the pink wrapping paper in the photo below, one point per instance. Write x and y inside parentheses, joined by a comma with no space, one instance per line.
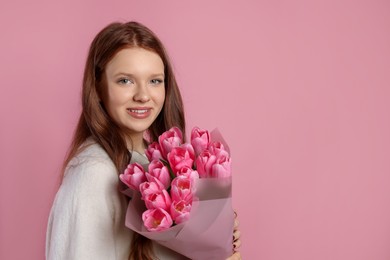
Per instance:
(216,136)
(208,234)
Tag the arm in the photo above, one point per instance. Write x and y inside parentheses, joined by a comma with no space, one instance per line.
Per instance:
(84,221)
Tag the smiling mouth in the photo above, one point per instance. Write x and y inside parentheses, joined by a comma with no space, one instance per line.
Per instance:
(138,111)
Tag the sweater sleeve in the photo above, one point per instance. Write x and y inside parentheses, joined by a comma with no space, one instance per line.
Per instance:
(86,221)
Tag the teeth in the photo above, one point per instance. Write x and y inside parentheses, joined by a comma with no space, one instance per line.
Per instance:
(138,111)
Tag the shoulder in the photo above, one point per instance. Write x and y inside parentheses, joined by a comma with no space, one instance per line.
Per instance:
(89,186)
(91,153)
(91,170)
(88,209)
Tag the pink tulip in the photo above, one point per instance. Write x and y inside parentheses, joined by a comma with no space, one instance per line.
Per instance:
(133,176)
(156,219)
(182,156)
(182,188)
(222,167)
(200,139)
(153,152)
(158,170)
(204,163)
(147,188)
(180,211)
(217,149)
(188,172)
(170,139)
(160,199)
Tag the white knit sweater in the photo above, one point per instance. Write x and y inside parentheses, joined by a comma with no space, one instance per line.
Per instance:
(87,217)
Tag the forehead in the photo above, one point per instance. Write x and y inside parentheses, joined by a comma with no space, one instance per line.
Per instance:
(135,60)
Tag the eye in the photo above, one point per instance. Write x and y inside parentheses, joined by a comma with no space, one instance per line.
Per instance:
(156,81)
(124,81)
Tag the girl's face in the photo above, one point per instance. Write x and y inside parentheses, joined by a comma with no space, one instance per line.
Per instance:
(135,91)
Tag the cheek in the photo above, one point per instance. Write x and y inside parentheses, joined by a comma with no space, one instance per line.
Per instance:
(163,95)
(162,100)
(114,103)
(116,97)
(159,97)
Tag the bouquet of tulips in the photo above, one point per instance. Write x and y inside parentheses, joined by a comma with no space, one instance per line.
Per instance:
(182,198)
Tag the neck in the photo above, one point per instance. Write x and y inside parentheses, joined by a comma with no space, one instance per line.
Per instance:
(136,143)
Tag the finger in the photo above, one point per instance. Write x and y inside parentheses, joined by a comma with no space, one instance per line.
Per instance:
(236,235)
(236,224)
(235,256)
(236,245)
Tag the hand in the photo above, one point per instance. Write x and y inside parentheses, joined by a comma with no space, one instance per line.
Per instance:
(236,240)
(236,234)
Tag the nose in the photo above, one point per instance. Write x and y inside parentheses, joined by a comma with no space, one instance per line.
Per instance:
(141,94)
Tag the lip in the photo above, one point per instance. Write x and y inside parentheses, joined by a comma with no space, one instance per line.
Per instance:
(139,112)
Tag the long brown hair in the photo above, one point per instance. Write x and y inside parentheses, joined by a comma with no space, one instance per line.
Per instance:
(94,121)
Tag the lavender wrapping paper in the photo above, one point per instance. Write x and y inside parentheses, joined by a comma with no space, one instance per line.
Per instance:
(208,234)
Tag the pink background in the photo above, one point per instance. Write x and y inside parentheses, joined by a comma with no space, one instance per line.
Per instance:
(300,90)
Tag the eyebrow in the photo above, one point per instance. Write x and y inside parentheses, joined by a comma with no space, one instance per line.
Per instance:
(132,75)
